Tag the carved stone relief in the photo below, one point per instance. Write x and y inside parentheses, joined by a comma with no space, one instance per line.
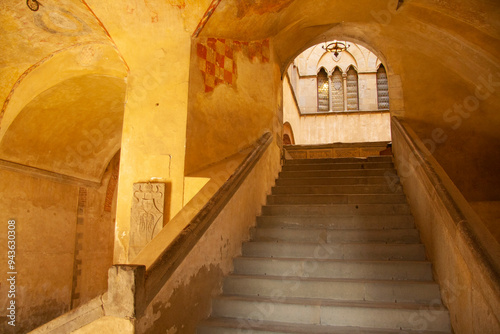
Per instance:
(146,221)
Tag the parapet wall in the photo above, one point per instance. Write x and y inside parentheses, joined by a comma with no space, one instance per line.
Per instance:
(464,254)
(337,150)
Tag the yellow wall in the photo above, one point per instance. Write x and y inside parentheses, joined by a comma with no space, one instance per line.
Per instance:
(45,243)
(64,244)
(236,112)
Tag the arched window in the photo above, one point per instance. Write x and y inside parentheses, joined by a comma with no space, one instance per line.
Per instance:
(323,91)
(352,89)
(337,90)
(382,88)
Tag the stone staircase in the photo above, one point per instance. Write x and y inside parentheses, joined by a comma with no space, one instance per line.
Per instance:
(334,251)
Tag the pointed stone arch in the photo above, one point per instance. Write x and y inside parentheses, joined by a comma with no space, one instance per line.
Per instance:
(288,136)
(382,88)
(352,89)
(323,84)
(337,89)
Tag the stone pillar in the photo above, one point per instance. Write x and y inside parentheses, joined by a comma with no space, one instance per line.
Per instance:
(126,291)
(155,120)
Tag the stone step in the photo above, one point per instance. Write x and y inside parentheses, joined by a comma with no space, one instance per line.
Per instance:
(337,199)
(391,172)
(335,269)
(339,160)
(338,221)
(333,289)
(337,251)
(337,189)
(245,326)
(333,313)
(325,181)
(336,209)
(311,234)
(334,251)
(337,166)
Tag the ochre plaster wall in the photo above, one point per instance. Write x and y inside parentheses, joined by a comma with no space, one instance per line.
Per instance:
(455,120)
(45,244)
(234,111)
(490,214)
(64,243)
(343,128)
(97,238)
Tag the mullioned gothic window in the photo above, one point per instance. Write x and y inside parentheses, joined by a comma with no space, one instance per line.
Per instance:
(323,91)
(382,88)
(337,90)
(352,89)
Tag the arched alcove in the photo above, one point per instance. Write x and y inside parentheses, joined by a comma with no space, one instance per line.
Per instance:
(72,128)
(288,133)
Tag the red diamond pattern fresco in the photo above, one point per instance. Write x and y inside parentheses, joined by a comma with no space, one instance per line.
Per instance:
(216,57)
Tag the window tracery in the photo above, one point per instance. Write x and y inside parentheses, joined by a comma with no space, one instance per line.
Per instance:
(337,90)
(352,89)
(323,91)
(382,88)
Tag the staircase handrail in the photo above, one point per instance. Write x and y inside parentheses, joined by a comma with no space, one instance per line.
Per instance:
(168,261)
(474,234)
